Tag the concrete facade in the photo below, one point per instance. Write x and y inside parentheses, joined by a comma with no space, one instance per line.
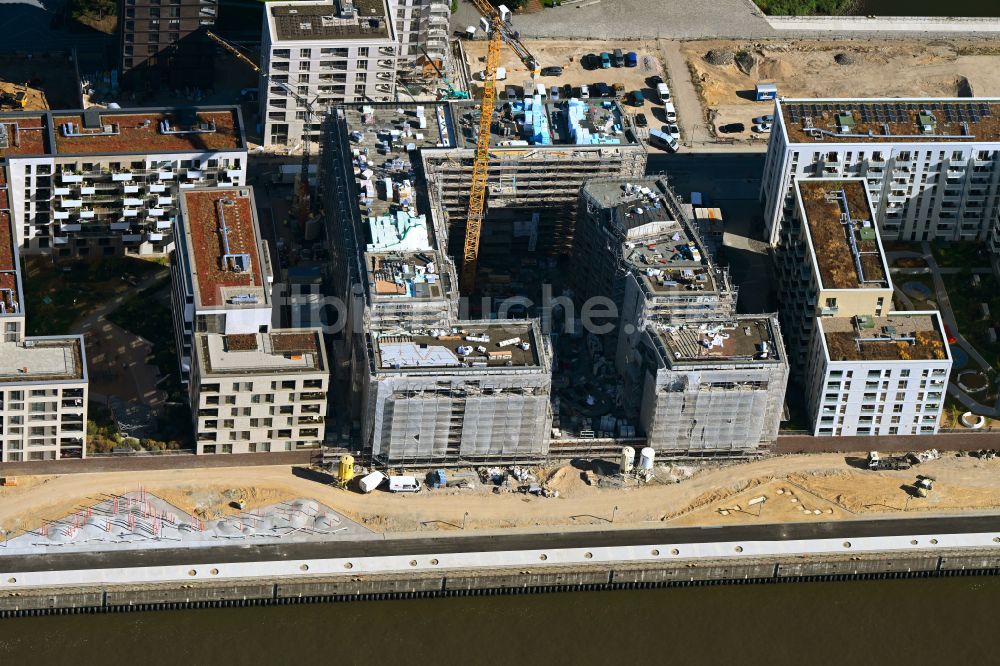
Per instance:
(329,53)
(929,176)
(160,42)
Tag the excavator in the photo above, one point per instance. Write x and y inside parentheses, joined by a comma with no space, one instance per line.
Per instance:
(500,31)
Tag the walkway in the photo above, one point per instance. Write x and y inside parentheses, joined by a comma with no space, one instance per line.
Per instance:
(948,316)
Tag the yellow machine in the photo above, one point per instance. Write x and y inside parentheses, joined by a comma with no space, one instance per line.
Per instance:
(345,469)
(500,31)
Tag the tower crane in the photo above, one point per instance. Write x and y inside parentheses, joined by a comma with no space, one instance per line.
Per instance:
(303,194)
(500,31)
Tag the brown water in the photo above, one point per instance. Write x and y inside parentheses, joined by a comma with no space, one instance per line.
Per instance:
(928,8)
(911,622)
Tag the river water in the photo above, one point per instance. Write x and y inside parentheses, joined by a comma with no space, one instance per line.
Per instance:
(913,622)
(928,8)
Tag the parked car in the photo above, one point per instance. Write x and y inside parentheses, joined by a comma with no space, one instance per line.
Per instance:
(674,131)
(638,99)
(641,120)
(764,120)
(590,61)
(663,92)
(670,112)
(583,92)
(732,128)
(631,59)
(552,71)
(654,80)
(663,140)
(404,484)
(605,60)
(762,128)
(619,58)
(603,90)
(554,94)
(513,93)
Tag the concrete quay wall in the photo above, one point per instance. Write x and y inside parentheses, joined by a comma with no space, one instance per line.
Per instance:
(401,585)
(910,24)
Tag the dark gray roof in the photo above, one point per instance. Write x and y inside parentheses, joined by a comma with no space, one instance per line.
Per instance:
(323,21)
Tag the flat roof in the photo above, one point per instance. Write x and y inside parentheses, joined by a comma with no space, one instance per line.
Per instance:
(324,20)
(843,234)
(42,359)
(441,349)
(10,291)
(899,336)
(384,137)
(535,123)
(128,132)
(24,134)
(740,341)
(223,246)
(890,120)
(277,352)
(404,275)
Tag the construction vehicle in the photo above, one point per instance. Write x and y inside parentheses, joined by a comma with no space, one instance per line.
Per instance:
(877,463)
(924,485)
(450,91)
(496,19)
(303,194)
(15,100)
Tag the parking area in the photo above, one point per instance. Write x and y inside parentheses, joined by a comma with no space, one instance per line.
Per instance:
(581,65)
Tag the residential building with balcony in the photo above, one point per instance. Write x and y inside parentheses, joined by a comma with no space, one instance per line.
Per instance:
(161,42)
(422,27)
(102,182)
(931,166)
(327,52)
(43,379)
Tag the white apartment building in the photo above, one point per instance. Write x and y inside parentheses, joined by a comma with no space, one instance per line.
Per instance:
(101,182)
(878,375)
(43,380)
(712,387)
(253,388)
(931,166)
(422,27)
(326,52)
(864,370)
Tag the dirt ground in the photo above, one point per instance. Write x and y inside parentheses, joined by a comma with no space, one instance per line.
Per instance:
(50,79)
(810,68)
(794,488)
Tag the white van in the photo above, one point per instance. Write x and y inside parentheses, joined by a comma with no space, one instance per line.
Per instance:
(540,90)
(663,140)
(663,92)
(670,111)
(404,484)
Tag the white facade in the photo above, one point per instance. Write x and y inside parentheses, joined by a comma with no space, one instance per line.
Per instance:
(327,53)
(936,181)
(888,396)
(422,26)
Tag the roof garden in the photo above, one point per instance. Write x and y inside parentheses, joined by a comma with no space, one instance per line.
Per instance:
(24,135)
(843,234)
(224,249)
(468,345)
(98,131)
(889,120)
(900,336)
(10,292)
(277,352)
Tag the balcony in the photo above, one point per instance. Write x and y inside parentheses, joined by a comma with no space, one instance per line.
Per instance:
(121,176)
(130,212)
(131,189)
(164,201)
(132,238)
(163,224)
(87,214)
(66,227)
(132,201)
(61,191)
(71,177)
(234,173)
(165,175)
(88,190)
(120,226)
(60,214)
(155,212)
(156,189)
(71,203)
(154,237)
(195,173)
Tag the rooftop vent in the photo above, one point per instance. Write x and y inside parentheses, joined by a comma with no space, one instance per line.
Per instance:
(92,118)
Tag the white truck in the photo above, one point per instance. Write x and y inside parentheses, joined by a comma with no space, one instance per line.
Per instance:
(370,482)
(670,112)
(663,92)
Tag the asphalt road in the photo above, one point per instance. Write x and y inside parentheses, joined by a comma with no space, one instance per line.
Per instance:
(503,542)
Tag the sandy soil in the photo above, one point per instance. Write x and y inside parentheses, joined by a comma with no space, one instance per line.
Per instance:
(808,69)
(824,483)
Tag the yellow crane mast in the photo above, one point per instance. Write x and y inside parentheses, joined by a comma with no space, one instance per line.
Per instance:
(499,32)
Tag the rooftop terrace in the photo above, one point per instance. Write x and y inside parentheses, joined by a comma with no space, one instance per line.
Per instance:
(10,292)
(889,120)
(42,359)
(326,21)
(897,337)
(749,339)
(534,122)
(223,245)
(277,352)
(843,234)
(98,132)
(24,135)
(470,345)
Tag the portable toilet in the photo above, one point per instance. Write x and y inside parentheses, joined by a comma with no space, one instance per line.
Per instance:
(765,91)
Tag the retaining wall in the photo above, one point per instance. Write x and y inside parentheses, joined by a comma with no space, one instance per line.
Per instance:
(931,24)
